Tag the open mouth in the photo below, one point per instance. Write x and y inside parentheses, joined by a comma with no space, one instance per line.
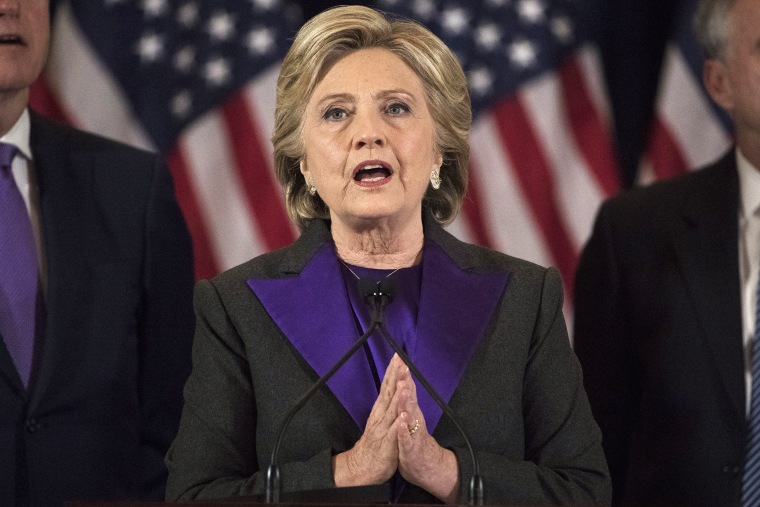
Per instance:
(372,173)
(11,40)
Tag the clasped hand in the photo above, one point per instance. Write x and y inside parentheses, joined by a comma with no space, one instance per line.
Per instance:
(396,438)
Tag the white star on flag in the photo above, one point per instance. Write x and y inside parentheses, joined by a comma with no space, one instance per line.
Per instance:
(217,71)
(150,47)
(531,11)
(155,8)
(187,15)
(522,53)
(260,41)
(488,36)
(455,20)
(221,26)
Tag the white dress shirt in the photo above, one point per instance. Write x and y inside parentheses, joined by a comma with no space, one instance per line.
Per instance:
(749,255)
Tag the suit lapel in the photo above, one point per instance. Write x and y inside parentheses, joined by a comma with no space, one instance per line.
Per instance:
(8,372)
(313,311)
(707,251)
(456,305)
(63,177)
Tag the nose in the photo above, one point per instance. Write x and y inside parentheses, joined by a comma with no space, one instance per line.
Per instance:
(369,131)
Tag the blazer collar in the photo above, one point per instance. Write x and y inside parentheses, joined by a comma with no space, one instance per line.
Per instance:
(706,247)
(313,310)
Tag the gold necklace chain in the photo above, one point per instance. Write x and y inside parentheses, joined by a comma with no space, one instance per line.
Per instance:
(357,276)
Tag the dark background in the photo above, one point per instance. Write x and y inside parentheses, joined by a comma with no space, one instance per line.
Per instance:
(632,36)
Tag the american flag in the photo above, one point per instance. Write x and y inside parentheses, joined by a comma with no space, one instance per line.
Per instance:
(688,130)
(196,80)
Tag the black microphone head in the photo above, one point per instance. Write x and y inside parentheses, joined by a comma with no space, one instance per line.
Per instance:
(387,287)
(368,288)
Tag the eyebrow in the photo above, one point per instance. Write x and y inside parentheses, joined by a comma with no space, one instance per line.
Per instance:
(342,97)
(398,91)
(349,97)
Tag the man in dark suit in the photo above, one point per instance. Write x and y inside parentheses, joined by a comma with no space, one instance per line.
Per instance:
(91,375)
(665,301)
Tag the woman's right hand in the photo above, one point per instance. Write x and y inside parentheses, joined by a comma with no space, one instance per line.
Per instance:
(374,458)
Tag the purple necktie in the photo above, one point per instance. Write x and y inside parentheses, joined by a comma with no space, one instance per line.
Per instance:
(18,270)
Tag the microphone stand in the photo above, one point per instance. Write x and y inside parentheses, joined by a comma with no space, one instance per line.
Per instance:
(475,489)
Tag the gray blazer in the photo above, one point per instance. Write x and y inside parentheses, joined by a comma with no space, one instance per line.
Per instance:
(519,396)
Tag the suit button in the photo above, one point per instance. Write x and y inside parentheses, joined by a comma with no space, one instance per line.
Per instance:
(32,425)
(731,470)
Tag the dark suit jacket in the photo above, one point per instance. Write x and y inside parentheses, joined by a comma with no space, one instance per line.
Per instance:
(658,332)
(106,397)
(519,395)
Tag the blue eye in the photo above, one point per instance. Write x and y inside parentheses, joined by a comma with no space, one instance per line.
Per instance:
(397,108)
(335,114)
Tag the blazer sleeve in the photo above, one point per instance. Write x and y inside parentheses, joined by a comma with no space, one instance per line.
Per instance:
(602,344)
(165,327)
(215,452)
(563,461)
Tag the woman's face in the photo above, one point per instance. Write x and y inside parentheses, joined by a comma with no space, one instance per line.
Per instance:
(369,140)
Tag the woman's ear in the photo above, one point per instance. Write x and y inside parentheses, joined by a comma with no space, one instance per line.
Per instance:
(310,187)
(302,167)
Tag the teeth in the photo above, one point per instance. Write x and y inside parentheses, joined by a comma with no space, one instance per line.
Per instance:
(378,170)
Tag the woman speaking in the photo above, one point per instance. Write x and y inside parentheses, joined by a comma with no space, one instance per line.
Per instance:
(371,146)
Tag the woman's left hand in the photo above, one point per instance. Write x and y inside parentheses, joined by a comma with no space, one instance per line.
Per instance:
(421,460)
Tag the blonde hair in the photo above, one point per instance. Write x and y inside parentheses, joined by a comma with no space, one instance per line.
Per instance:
(333,34)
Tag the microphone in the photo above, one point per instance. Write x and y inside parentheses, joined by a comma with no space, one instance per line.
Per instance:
(380,298)
(378,295)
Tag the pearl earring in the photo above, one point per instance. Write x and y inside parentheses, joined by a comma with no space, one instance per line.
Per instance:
(435,179)
(312,187)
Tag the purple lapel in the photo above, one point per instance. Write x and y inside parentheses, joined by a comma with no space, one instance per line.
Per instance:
(313,311)
(456,306)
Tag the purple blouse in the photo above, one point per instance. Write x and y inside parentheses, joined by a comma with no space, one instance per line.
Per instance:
(400,314)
